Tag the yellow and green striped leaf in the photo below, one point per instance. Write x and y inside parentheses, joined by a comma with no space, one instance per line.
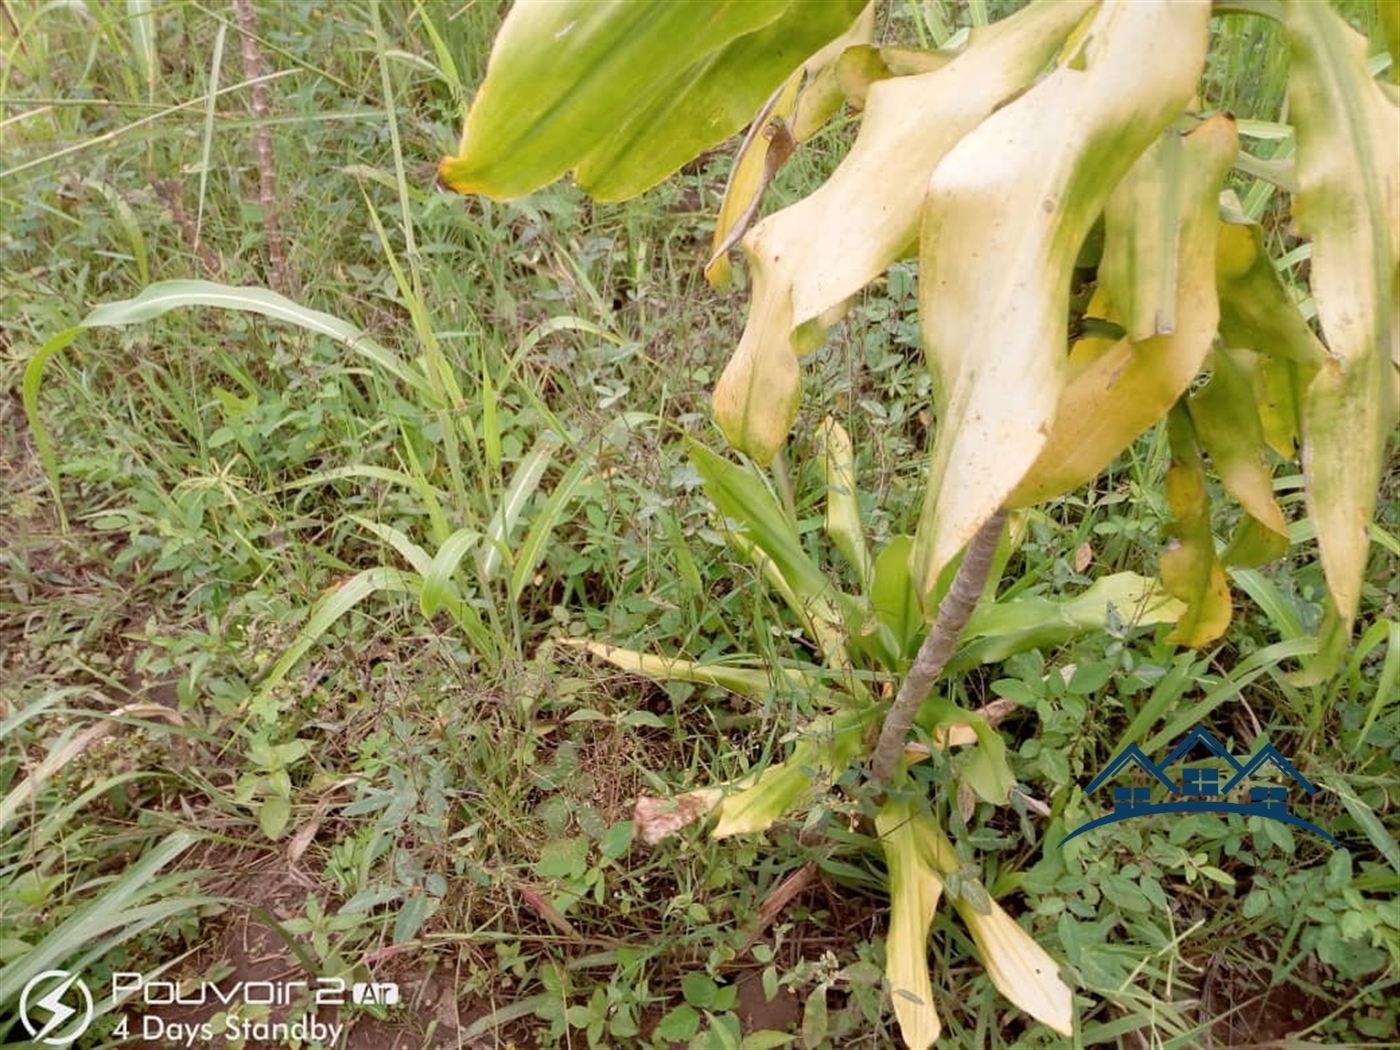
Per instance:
(624,93)
(1349,204)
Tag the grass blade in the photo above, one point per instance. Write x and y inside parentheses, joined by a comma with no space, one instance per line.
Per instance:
(330,608)
(107,911)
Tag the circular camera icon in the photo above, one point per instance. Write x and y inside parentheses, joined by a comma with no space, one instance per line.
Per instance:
(55,1007)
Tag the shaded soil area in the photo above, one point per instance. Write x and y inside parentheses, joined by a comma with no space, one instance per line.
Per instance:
(249,957)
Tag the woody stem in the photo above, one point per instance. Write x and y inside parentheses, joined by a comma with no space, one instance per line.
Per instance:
(953,614)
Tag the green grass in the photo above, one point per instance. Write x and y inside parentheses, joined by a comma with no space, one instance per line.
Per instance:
(294,627)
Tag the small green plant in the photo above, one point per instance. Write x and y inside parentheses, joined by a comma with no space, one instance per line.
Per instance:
(864,640)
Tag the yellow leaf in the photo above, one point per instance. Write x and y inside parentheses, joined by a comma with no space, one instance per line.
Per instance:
(836,456)
(818,758)
(1227,423)
(914,887)
(816,254)
(1348,202)
(1020,968)
(859,67)
(1006,213)
(1116,390)
(1189,567)
(1256,311)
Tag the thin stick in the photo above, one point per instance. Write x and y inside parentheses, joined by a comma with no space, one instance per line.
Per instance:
(934,654)
(267,171)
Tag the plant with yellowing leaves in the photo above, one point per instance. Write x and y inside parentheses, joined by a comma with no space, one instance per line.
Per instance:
(995,163)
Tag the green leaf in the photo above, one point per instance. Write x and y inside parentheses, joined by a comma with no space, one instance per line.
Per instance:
(273,814)
(438,588)
(417,908)
(808,259)
(532,552)
(1349,204)
(158,299)
(118,906)
(1189,566)
(995,632)
(742,497)
(1024,189)
(329,608)
(522,487)
(1373,827)
(679,1025)
(563,858)
(894,598)
(985,768)
(625,93)
(815,1022)
(699,989)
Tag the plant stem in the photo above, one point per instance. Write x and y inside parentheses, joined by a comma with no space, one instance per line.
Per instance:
(953,614)
(267,172)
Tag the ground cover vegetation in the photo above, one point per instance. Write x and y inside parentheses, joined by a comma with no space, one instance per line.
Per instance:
(324,492)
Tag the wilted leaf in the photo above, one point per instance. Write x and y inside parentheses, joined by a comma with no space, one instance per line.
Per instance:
(914,888)
(1117,389)
(1189,567)
(836,457)
(625,93)
(764,151)
(803,104)
(811,257)
(1006,214)
(659,818)
(1256,311)
(1083,557)
(1227,425)
(1349,204)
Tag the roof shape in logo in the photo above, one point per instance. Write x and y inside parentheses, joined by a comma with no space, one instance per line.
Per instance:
(1200,735)
(1131,753)
(1266,754)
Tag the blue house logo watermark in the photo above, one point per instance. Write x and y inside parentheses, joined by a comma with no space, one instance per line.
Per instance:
(1201,790)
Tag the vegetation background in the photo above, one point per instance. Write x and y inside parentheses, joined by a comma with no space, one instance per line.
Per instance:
(436,792)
